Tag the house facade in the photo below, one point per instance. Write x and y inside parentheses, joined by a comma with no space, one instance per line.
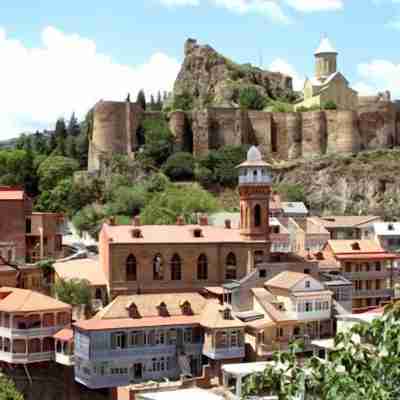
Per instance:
(28,321)
(154,336)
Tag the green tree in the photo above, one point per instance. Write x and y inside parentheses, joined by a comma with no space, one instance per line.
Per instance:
(185,200)
(54,169)
(8,391)
(364,365)
(330,105)
(159,102)
(158,141)
(141,99)
(73,291)
(89,219)
(152,103)
(127,201)
(292,192)
(70,147)
(57,199)
(251,99)
(180,166)
(40,143)
(73,126)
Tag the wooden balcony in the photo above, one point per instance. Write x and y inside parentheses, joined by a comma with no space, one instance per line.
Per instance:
(358,294)
(26,358)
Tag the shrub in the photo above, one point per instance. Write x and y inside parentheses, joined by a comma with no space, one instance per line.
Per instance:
(127,201)
(182,102)
(180,166)
(330,105)
(251,99)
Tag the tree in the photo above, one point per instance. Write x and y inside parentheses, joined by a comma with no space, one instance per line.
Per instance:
(141,99)
(180,166)
(159,103)
(127,201)
(54,169)
(152,103)
(70,147)
(251,99)
(60,130)
(175,201)
(8,390)
(73,126)
(89,219)
(75,292)
(363,365)
(330,105)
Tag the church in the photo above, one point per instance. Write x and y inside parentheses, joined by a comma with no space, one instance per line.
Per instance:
(328,84)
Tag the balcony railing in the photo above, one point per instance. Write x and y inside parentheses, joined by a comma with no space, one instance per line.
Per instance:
(22,358)
(252,180)
(26,333)
(364,275)
(224,352)
(64,359)
(372,293)
(282,344)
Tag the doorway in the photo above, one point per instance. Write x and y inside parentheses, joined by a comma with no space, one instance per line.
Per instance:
(137,371)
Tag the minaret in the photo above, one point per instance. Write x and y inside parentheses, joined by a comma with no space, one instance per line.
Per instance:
(325,59)
(254,190)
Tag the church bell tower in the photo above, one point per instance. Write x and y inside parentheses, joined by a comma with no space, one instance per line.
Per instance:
(325,60)
(254,190)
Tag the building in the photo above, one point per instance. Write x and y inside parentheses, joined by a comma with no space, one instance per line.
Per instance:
(290,306)
(294,209)
(342,292)
(26,236)
(154,336)
(149,258)
(348,226)
(387,234)
(328,84)
(28,321)
(367,265)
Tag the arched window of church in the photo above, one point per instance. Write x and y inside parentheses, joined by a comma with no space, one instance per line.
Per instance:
(230,270)
(176,268)
(158,268)
(257,215)
(202,267)
(131,266)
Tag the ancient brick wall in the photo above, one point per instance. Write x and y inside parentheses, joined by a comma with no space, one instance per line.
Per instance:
(259,132)
(179,128)
(313,133)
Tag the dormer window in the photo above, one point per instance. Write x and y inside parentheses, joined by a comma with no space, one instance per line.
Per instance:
(390,227)
(137,233)
(227,314)
(133,311)
(319,256)
(307,284)
(197,233)
(186,308)
(162,310)
(356,246)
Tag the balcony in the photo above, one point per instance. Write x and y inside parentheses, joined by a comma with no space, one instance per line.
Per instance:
(22,358)
(365,275)
(372,293)
(28,333)
(132,352)
(64,359)
(282,344)
(254,180)
(221,353)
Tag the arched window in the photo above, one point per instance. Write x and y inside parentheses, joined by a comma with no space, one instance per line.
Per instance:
(131,266)
(158,268)
(257,215)
(202,267)
(230,270)
(176,268)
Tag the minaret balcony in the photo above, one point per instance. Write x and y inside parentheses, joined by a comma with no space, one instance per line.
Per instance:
(255,180)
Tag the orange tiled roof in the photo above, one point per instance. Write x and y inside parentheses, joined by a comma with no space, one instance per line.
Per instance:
(346,246)
(85,268)
(173,234)
(108,324)
(11,193)
(212,317)
(65,335)
(286,280)
(22,300)
(345,221)
(265,299)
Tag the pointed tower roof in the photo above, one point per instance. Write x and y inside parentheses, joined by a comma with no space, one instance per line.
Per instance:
(325,47)
(254,159)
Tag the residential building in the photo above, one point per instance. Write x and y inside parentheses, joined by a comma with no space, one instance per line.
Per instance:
(294,209)
(28,321)
(150,258)
(154,336)
(348,227)
(342,292)
(367,265)
(290,306)
(388,235)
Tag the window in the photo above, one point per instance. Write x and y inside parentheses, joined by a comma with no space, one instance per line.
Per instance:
(369,285)
(263,273)
(163,310)
(258,257)
(172,336)
(28,225)
(257,216)
(176,268)
(356,246)
(308,306)
(135,338)
(227,314)
(279,332)
(378,266)
(160,338)
(378,284)
(230,272)
(224,339)
(197,233)
(118,340)
(234,338)
(202,267)
(307,284)
(158,268)
(188,335)
(348,267)
(131,268)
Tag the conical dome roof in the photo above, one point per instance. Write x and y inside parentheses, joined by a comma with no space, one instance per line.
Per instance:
(325,47)
(254,154)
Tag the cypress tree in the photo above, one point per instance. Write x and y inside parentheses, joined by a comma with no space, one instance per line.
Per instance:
(141,99)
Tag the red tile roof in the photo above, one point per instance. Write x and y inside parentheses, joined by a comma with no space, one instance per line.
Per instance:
(65,335)
(11,193)
(119,323)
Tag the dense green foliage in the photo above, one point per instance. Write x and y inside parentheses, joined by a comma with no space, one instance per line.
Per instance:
(73,291)
(8,390)
(251,99)
(330,105)
(180,166)
(357,369)
(291,192)
(182,102)
(185,200)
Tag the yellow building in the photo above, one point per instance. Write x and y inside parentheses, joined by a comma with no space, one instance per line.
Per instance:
(328,84)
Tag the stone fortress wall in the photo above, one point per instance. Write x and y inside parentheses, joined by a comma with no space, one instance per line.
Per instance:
(284,136)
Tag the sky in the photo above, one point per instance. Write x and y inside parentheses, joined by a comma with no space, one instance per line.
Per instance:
(59,57)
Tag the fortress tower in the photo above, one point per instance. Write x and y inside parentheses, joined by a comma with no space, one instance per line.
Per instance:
(325,60)
(254,190)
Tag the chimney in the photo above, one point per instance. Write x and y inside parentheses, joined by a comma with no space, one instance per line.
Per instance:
(180,220)
(228,224)
(136,220)
(203,220)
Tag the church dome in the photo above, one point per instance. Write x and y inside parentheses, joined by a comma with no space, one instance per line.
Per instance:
(325,47)
(254,154)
